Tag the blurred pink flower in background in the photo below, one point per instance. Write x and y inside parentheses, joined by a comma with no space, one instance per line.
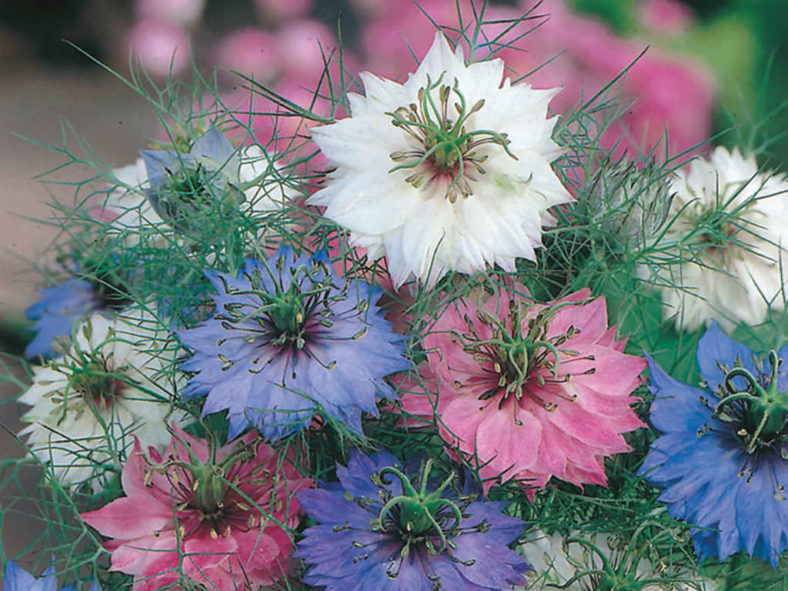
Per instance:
(287,50)
(307,45)
(665,16)
(160,47)
(253,52)
(398,30)
(667,91)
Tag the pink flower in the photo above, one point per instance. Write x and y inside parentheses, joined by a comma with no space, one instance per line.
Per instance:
(665,91)
(221,523)
(252,52)
(665,16)
(528,391)
(160,47)
(308,44)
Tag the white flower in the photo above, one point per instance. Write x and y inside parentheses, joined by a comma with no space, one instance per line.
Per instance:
(555,561)
(729,229)
(116,380)
(448,171)
(126,209)
(265,187)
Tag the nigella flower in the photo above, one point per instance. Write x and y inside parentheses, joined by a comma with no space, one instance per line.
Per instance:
(449,171)
(212,180)
(378,530)
(61,306)
(528,391)
(55,314)
(288,339)
(215,516)
(722,456)
(582,562)
(728,235)
(18,579)
(629,203)
(114,380)
(125,209)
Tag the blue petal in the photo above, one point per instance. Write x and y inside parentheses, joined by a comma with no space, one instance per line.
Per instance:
(158,166)
(56,312)
(213,146)
(676,407)
(715,348)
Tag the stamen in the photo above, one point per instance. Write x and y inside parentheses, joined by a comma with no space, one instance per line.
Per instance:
(446,149)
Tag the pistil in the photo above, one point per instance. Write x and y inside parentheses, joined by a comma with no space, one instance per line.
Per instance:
(765,407)
(446,149)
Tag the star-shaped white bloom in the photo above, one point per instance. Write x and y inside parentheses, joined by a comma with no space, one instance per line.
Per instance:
(728,229)
(449,171)
(557,560)
(116,380)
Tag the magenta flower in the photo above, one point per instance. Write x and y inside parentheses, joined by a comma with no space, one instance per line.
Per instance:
(528,391)
(214,516)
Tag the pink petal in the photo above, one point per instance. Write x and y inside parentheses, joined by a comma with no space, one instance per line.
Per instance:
(131,517)
(508,438)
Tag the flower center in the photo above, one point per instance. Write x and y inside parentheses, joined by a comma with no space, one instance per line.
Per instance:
(717,228)
(760,410)
(107,284)
(95,383)
(206,490)
(287,317)
(446,150)
(194,192)
(520,350)
(418,516)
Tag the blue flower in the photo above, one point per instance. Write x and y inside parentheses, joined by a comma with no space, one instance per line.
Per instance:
(18,579)
(186,187)
(289,338)
(722,456)
(57,311)
(375,530)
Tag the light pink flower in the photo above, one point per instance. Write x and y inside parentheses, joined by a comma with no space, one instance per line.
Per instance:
(665,16)
(666,92)
(220,523)
(308,43)
(253,52)
(160,47)
(529,391)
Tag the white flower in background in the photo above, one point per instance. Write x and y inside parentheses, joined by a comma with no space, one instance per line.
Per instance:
(116,380)
(449,171)
(126,209)
(264,184)
(736,220)
(555,562)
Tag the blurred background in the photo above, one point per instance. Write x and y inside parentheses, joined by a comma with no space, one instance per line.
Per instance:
(712,66)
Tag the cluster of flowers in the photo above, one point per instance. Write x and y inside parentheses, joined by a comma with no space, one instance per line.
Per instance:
(399,373)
